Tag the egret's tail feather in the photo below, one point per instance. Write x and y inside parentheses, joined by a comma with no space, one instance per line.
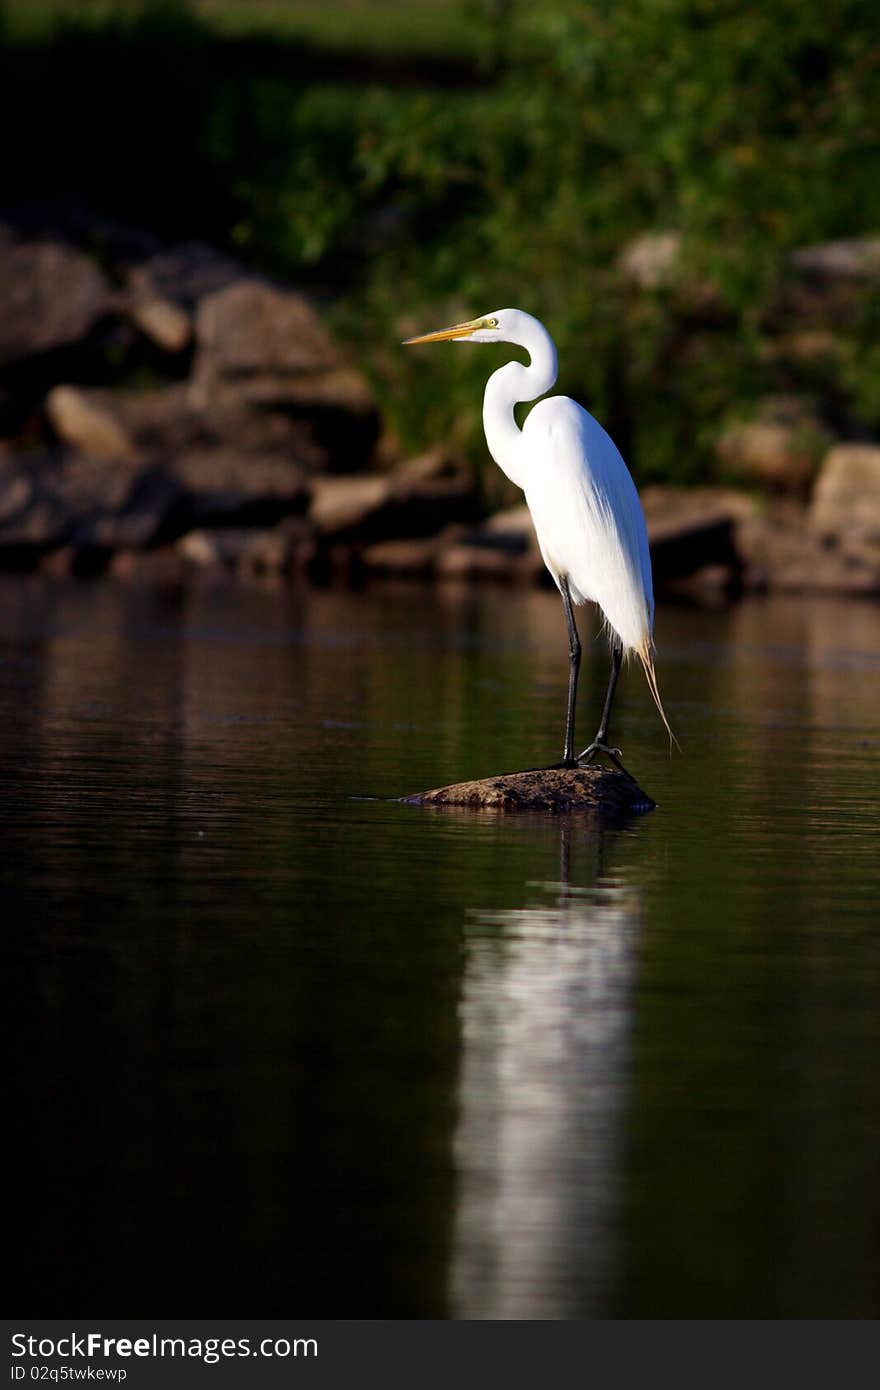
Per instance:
(646,656)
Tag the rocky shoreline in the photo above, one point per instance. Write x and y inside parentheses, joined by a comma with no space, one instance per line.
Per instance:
(254,444)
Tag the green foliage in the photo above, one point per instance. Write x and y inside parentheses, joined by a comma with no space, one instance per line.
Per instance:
(514,172)
(751,123)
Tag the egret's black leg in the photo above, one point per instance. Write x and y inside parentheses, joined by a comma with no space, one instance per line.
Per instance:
(574,665)
(616,659)
(600,742)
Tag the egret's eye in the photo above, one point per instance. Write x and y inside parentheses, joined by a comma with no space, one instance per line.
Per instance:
(493,323)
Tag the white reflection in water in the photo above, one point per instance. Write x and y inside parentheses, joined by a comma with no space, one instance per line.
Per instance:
(545,1023)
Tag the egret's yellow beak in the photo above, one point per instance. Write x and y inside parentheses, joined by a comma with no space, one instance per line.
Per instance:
(443,335)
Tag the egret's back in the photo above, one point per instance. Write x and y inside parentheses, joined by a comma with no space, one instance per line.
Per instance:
(588,518)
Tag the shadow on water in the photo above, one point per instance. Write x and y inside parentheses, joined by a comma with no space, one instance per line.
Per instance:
(281,1041)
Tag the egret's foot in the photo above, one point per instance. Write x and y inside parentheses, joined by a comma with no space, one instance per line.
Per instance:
(613,754)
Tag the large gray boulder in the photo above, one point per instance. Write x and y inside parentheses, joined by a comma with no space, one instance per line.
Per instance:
(164,290)
(186,274)
(846,498)
(161,422)
(170,421)
(51,297)
(55,498)
(504,549)
(227,488)
(783,553)
(92,504)
(152,509)
(692,533)
(250,331)
(268,371)
(416,500)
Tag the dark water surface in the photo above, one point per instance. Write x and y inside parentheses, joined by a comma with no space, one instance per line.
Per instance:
(283,1045)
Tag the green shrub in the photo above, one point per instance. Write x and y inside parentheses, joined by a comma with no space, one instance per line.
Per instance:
(411,195)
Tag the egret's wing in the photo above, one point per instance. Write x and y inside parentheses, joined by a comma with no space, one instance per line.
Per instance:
(588,517)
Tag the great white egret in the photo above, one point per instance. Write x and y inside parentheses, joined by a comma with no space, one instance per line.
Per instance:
(584,505)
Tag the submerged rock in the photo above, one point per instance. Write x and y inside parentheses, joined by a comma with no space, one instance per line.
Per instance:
(593,788)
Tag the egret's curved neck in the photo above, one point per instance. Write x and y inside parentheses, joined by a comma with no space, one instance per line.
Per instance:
(512,383)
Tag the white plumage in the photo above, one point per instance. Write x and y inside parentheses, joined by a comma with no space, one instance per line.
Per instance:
(582,499)
(588,518)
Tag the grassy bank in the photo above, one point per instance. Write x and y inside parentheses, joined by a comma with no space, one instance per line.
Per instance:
(416,164)
(372,26)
